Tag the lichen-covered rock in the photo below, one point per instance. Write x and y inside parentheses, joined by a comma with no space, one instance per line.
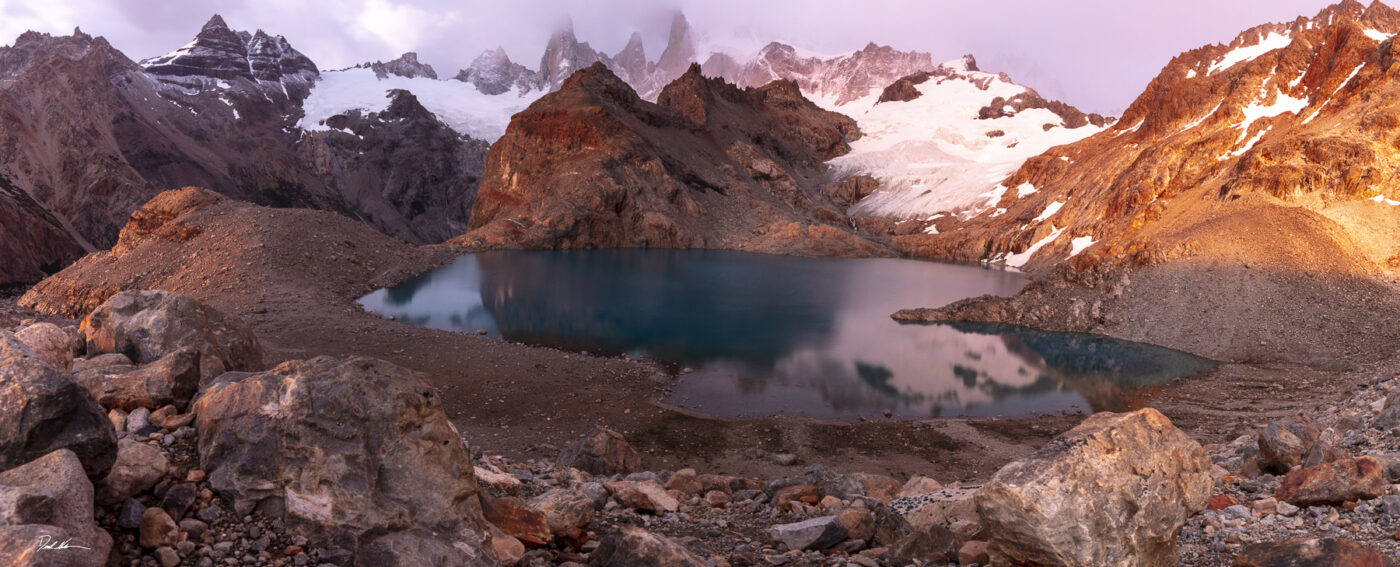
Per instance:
(351,449)
(602,452)
(1114,490)
(148,325)
(45,410)
(171,380)
(50,500)
(636,547)
(951,508)
(1334,483)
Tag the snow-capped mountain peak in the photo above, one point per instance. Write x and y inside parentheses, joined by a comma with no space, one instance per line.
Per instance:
(406,66)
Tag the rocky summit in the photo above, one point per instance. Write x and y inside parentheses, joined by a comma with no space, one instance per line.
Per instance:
(707,166)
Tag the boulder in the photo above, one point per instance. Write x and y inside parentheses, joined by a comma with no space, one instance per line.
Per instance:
(519,521)
(564,509)
(50,496)
(951,508)
(509,551)
(804,493)
(602,452)
(148,325)
(1308,552)
(860,523)
(643,496)
(45,410)
(931,544)
(349,448)
(815,534)
(101,361)
(973,553)
(500,481)
(139,467)
(1283,444)
(636,547)
(828,483)
(1115,490)
(686,482)
(877,486)
(171,380)
(49,343)
(1333,483)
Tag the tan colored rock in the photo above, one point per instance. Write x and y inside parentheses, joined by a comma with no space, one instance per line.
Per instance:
(509,551)
(643,496)
(804,493)
(918,486)
(716,499)
(973,552)
(1115,490)
(157,529)
(950,508)
(503,482)
(860,523)
(564,509)
(49,343)
(101,361)
(1333,483)
(171,380)
(50,496)
(685,481)
(878,486)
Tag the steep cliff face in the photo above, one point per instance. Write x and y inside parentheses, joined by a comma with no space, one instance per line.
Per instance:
(1245,205)
(708,165)
(33,243)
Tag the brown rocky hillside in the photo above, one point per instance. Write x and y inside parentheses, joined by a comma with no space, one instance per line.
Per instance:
(1246,205)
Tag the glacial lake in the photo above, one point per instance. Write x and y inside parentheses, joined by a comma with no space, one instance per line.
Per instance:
(768,335)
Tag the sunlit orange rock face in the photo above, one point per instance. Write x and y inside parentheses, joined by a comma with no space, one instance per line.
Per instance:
(1245,206)
(709,165)
(1289,118)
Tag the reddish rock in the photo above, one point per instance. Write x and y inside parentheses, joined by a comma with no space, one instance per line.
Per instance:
(685,481)
(602,452)
(636,547)
(643,496)
(973,552)
(1221,502)
(517,520)
(805,493)
(1334,483)
(879,487)
(716,499)
(1303,552)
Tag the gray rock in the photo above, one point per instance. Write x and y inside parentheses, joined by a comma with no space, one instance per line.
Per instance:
(139,467)
(1283,444)
(193,527)
(44,411)
(129,516)
(49,343)
(171,380)
(138,419)
(814,534)
(601,451)
(209,514)
(148,325)
(1390,504)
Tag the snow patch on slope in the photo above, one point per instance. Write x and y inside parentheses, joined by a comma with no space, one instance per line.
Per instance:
(458,104)
(932,154)
(1239,55)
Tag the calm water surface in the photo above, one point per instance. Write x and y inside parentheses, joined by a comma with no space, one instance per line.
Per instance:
(781,335)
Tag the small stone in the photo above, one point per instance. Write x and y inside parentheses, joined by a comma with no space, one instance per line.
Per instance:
(1266,506)
(158,417)
(193,527)
(195,475)
(167,557)
(179,499)
(785,459)
(129,516)
(716,499)
(973,552)
(157,529)
(137,420)
(1286,509)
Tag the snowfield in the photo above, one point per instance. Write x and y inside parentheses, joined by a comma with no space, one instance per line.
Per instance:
(458,104)
(933,155)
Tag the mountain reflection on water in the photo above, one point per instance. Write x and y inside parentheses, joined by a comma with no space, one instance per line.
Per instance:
(776,334)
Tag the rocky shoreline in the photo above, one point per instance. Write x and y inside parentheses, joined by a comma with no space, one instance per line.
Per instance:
(183,449)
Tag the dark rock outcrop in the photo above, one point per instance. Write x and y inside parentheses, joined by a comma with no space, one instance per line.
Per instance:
(46,410)
(406,66)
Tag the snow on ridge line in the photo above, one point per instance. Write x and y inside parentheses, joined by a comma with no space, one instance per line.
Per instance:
(460,105)
(1267,43)
(1378,35)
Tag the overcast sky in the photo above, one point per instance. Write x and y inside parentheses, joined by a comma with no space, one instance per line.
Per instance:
(1096,54)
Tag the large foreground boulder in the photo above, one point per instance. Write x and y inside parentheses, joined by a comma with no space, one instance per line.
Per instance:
(44,410)
(148,325)
(44,504)
(355,452)
(1113,491)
